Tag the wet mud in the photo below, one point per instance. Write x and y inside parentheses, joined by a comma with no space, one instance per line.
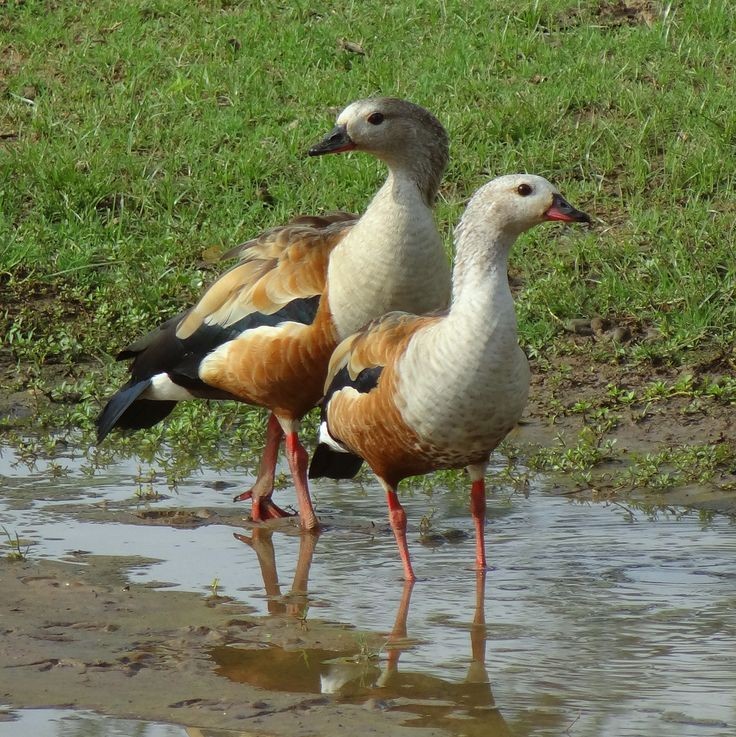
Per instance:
(83,637)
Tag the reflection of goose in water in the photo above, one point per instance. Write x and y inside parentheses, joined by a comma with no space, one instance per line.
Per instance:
(356,677)
(436,702)
(295,603)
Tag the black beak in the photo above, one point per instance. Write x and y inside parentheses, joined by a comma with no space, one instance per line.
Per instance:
(335,142)
(561,209)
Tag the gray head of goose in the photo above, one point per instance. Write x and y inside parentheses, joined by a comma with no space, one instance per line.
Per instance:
(405,136)
(511,204)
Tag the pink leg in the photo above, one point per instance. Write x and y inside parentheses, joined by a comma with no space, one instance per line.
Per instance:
(478,509)
(397,518)
(262,507)
(298,461)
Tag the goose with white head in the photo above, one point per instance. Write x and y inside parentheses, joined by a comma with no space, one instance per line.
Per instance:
(413,394)
(263,333)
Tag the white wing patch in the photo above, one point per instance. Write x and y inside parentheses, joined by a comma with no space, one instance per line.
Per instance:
(164,389)
(329,441)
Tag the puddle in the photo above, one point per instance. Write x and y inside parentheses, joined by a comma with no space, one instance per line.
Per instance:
(67,723)
(464,706)
(592,623)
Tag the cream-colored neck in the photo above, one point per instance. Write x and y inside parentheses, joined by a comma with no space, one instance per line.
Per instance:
(464,380)
(482,308)
(392,259)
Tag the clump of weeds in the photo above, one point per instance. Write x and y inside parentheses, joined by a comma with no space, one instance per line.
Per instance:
(17,552)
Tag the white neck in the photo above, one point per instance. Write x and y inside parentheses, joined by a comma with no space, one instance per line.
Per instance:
(464,379)
(392,259)
(482,310)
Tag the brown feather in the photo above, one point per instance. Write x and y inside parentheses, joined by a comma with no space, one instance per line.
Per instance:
(282,368)
(379,343)
(370,423)
(290,263)
(271,242)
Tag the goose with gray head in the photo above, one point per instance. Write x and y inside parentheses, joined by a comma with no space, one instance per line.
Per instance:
(263,333)
(413,394)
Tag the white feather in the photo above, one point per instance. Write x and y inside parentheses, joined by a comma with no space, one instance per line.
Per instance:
(164,389)
(329,441)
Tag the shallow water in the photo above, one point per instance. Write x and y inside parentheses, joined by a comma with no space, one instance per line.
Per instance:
(67,723)
(596,622)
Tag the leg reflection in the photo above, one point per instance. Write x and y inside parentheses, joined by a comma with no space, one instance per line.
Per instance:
(398,640)
(438,702)
(295,603)
(477,672)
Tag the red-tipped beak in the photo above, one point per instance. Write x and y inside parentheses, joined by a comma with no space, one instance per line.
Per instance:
(335,142)
(561,209)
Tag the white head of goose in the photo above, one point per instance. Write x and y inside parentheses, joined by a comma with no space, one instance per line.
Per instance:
(414,394)
(264,331)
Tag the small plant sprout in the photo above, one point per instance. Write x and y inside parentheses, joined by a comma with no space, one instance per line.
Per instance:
(425,524)
(215,588)
(17,553)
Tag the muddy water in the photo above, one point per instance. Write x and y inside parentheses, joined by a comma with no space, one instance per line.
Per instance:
(593,621)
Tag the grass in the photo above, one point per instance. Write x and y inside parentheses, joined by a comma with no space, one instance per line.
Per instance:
(16,552)
(139,140)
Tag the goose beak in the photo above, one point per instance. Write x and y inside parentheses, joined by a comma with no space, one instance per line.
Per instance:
(561,209)
(335,142)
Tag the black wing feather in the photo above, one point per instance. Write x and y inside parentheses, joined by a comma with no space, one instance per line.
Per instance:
(326,461)
(161,351)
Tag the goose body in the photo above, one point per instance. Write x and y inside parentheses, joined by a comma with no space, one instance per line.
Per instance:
(413,394)
(263,333)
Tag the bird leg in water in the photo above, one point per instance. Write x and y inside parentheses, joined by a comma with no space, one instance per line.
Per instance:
(478,509)
(298,463)
(262,507)
(397,518)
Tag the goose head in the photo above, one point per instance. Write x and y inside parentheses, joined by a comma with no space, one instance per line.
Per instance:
(405,136)
(516,202)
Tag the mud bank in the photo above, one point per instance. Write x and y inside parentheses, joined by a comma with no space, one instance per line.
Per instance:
(79,634)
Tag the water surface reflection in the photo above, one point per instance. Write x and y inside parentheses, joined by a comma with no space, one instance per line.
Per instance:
(600,622)
(463,707)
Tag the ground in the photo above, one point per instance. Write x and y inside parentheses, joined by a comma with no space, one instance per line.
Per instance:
(84,636)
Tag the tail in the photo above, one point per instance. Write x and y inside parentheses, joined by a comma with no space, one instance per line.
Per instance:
(126,410)
(332,464)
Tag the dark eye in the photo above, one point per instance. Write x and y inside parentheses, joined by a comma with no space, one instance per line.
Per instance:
(524,189)
(375,118)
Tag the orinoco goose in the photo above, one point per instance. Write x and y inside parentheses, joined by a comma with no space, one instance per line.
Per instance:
(414,394)
(264,332)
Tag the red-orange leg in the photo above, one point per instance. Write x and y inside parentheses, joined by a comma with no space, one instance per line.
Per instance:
(262,508)
(397,518)
(478,509)
(298,462)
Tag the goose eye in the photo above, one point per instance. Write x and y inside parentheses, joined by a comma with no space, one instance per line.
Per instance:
(375,118)
(524,189)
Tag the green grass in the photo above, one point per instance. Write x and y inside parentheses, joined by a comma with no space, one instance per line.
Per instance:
(138,139)
(16,552)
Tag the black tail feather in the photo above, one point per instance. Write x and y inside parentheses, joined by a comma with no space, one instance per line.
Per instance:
(328,463)
(126,410)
